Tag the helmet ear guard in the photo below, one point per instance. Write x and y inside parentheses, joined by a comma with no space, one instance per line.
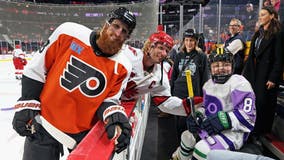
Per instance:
(221,55)
(125,16)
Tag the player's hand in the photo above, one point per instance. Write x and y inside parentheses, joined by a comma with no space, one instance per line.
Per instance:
(193,123)
(216,123)
(119,129)
(187,103)
(24,123)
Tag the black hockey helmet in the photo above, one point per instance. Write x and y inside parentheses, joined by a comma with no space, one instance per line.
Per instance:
(221,55)
(125,16)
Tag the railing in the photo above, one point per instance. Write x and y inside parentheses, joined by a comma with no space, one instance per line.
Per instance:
(96,145)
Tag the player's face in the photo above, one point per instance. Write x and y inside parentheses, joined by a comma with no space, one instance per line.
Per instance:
(113,36)
(159,52)
(118,30)
(221,68)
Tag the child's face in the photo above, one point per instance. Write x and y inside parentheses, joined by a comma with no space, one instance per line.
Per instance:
(221,68)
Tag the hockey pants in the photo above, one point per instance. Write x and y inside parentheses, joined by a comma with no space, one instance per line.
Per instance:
(42,146)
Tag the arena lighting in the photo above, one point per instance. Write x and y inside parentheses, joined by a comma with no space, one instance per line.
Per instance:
(99,14)
(203,2)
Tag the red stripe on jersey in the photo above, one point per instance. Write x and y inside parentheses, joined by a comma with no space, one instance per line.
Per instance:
(159,100)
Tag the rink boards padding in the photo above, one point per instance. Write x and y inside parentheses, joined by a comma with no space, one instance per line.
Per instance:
(96,145)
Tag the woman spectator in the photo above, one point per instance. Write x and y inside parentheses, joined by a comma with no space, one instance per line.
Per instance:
(264,68)
(190,58)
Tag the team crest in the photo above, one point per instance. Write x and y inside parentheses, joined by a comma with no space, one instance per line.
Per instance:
(80,75)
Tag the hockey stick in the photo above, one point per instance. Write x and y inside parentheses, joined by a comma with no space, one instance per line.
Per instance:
(190,92)
(60,136)
(213,142)
(7,109)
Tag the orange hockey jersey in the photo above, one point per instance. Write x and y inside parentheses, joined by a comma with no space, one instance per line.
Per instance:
(76,80)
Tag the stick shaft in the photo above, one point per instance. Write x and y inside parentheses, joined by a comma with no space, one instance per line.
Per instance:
(189,83)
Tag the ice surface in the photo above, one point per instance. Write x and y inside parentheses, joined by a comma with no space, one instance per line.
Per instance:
(11,144)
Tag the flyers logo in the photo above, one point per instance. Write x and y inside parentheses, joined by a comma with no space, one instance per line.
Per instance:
(78,74)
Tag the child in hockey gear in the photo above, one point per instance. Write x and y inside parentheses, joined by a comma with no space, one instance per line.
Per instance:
(19,61)
(228,111)
(149,74)
(88,71)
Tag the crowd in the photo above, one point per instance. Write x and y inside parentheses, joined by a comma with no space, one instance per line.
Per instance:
(231,101)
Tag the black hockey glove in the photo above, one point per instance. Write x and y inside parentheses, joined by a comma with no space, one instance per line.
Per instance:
(193,123)
(216,123)
(121,121)
(24,123)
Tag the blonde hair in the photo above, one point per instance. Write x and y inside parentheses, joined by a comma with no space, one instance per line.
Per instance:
(147,45)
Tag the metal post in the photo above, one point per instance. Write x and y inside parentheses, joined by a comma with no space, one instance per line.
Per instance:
(161,14)
(180,21)
(260,4)
(219,21)
(200,19)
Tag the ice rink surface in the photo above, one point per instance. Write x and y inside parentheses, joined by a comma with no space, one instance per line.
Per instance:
(11,144)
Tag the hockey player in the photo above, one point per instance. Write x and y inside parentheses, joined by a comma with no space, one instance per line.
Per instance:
(150,75)
(19,61)
(76,78)
(228,115)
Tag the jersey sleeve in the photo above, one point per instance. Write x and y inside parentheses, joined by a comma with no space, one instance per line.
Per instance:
(35,72)
(244,114)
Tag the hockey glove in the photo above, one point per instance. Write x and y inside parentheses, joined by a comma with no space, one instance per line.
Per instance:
(118,128)
(193,123)
(187,103)
(23,122)
(216,123)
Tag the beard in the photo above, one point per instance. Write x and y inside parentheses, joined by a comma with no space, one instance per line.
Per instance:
(107,45)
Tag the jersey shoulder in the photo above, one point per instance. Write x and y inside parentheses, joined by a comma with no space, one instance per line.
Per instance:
(122,58)
(75,30)
(132,53)
(239,82)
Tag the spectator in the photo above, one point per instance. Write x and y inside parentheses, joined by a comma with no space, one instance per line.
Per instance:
(228,114)
(264,68)
(236,45)
(275,4)
(266,3)
(190,58)
(174,51)
(249,21)
(250,11)
(201,42)
(74,80)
